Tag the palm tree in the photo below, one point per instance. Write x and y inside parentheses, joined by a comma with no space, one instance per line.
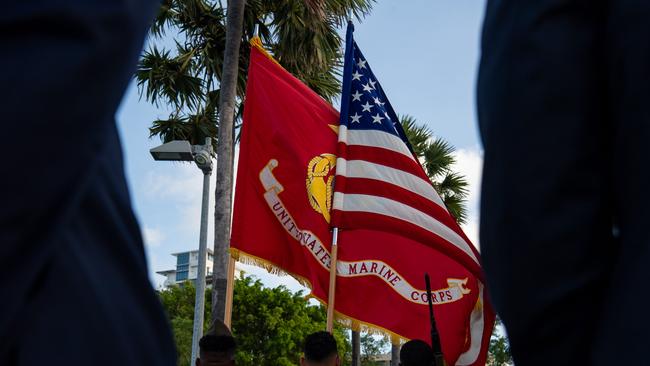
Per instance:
(303,37)
(436,156)
(225,160)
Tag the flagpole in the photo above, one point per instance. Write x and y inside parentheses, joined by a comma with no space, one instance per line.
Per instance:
(332,288)
(230,288)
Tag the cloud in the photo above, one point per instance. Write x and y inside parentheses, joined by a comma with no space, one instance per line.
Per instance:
(471,230)
(152,236)
(469,163)
(272,280)
(153,265)
(180,183)
(180,186)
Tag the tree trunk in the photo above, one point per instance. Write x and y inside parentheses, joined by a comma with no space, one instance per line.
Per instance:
(394,354)
(223,191)
(356,348)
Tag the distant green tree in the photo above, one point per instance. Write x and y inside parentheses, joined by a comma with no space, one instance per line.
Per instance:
(437,157)
(499,351)
(269,324)
(182,329)
(371,347)
(178,302)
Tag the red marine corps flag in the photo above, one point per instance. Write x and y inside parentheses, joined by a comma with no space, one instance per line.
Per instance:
(394,227)
(285,175)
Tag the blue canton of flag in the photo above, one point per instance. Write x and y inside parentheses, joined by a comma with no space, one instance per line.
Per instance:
(367,106)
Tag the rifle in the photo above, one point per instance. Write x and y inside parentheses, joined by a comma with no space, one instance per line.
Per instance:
(438,358)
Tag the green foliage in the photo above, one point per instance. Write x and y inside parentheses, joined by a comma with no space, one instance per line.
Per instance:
(371,347)
(437,158)
(269,324)
(302,35)
(169,78)
(182,328)
(178,302)
(499,351)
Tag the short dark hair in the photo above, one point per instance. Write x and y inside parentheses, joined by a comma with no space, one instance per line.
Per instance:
(416,352)
(319,346)
(218,343)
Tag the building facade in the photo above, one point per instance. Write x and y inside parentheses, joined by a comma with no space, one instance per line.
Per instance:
(187,265)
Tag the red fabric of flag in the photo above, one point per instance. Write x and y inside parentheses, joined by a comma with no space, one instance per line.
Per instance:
(285,173)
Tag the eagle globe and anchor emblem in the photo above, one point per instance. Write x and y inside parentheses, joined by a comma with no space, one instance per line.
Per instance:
(320,183)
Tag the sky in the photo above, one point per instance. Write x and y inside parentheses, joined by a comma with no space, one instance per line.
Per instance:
(425,55)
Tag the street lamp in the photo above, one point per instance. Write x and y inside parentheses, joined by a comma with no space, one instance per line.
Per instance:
(202,155)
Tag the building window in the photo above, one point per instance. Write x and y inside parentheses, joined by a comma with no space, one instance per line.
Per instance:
(182,267)
(183,258)
(181,276)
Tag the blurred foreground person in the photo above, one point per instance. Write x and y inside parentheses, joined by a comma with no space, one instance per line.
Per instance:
(73,275)
(563,97)
(416,352)
(320,350)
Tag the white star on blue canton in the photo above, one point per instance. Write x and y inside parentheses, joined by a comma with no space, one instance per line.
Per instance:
(377,118)
(372,83)
(356,96)
(378,101)
(355,118)
(367,87)
(366,107)
(361,64)
(356,76)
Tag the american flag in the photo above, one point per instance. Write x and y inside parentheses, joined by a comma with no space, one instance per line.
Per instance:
(380,184)
(388,211)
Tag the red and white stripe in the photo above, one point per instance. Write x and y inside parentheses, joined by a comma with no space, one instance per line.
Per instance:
(380,185)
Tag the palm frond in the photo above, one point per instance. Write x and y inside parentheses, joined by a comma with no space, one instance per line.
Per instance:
(202,125)
(325,84)
(173,128)
(457,208)
(341,9)
(453,184)
(438,157)
(161,75)
(417,134)
(164,18)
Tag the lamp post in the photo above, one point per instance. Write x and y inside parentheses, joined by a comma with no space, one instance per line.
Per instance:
(202,156)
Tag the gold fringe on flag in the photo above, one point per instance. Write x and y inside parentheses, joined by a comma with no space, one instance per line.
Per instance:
(344,320)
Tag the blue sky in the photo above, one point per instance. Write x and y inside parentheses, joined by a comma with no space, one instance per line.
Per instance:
(425,55)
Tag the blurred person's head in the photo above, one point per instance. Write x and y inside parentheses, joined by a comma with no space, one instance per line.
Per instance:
(217,348)
(320,350)
(416,353)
